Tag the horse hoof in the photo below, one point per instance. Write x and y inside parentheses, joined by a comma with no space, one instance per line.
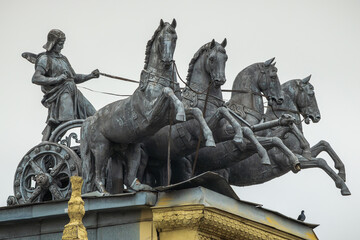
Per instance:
(210,143)
(181,117)
(342,176)
(345,191)
(137,186)
(238,139)
(240,144)
(265,160)
(106,193)
(141,187)
(296,168)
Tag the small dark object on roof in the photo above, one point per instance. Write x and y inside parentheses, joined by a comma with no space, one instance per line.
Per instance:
(302,216)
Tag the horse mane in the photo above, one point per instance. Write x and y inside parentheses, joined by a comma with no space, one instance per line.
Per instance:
(244,75)
(151,41)
(291,82)
(149,45)
(196,56)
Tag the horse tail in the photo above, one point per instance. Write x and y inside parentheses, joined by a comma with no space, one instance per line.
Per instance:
(87,157)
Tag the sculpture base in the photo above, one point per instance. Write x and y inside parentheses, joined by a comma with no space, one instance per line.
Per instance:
(180,212)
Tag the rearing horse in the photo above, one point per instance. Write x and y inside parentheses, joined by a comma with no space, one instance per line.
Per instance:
(299,100)
(249,87)
(202,91)
(206,74)
(122,124)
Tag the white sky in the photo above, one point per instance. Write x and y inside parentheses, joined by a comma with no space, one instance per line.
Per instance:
(321,38)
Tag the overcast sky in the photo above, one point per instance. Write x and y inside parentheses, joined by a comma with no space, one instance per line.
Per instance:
(321,38)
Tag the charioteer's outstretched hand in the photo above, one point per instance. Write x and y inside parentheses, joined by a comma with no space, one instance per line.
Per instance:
(95,74)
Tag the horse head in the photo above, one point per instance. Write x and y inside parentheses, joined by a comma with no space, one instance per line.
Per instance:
(216,58)
(269,83)
(167,42)
(161,47)
(306,101)
(256,79)
(208,64)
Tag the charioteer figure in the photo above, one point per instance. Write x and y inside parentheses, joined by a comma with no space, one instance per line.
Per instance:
(58,83)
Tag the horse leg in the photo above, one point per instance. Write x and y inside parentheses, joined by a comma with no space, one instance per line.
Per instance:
(179,106)
(182,169)
(197,114)
(270,142)
(223,112)
(325,146)
(260,149)
(143,164)
(304,144)
(115,174)
(133,157)
(101,155)
(321,163)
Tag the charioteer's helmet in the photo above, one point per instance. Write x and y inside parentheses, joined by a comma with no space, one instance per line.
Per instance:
(54,36)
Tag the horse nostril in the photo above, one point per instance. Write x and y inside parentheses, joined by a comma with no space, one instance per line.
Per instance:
(280,101)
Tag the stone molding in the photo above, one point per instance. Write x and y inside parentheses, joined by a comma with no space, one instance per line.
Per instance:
(212,224)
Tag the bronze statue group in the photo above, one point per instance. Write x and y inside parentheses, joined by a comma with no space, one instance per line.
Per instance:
(163,134)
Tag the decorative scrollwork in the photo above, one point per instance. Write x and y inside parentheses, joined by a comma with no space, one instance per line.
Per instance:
(60,131)
(67,140)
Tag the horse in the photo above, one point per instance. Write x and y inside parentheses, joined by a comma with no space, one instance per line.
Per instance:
(182,141)
(250,86)
(121,125)
(209,62)
(205,76)
(299,100)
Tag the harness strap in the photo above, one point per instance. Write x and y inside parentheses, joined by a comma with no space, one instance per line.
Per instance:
(242,111)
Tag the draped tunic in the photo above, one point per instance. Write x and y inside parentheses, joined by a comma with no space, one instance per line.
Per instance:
(64,101)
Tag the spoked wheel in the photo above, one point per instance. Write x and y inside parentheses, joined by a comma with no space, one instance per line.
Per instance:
(44,174)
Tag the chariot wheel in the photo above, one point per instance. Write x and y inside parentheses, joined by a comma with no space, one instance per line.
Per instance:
(44,174)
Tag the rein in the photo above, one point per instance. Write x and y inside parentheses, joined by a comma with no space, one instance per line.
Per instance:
(120,78)
(134,81)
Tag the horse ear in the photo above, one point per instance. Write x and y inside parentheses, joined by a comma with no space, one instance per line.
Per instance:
(162,23)
(212,44)
(268,62)
(224,43)
(173,24)
(299,84)
(307,79)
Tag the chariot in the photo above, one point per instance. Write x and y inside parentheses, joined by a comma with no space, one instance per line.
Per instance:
(43,174)
(140,126)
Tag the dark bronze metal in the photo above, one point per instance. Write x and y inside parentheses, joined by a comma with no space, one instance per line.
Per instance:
(58,80)
(144,140)
(125,123)
(299,100)
(44,174)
